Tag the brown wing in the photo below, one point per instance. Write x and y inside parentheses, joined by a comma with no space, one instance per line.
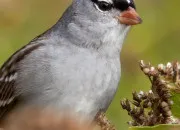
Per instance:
(7,95)
(8,76)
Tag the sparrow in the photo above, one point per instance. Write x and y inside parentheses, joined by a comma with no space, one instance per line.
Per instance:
(74,65)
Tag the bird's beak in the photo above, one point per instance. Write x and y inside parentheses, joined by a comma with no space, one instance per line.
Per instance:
(129,17)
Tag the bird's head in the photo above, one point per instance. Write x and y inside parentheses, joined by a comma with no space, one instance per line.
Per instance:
(108,11)
(105,20)
(122,10)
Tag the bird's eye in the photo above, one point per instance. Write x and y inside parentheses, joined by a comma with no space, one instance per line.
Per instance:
(104,6)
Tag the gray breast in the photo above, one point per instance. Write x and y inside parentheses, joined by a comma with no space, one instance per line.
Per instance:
(69,78)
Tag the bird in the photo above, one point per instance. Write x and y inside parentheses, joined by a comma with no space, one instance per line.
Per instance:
(75,64)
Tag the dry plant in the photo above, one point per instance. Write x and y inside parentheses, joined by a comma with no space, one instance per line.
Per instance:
(154,107)
(103,122)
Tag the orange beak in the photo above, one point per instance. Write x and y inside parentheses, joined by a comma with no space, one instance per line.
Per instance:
(129,17)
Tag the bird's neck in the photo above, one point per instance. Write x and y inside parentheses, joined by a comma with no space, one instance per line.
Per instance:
(107,43)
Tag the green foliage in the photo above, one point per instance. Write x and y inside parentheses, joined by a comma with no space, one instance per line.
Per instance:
(176,104)
(159,127)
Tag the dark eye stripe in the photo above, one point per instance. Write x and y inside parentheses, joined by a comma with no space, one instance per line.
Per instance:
(132,4)
(121,4)
(103,5)
(95,1)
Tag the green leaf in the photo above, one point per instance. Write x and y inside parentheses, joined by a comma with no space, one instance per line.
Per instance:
(159,127)
(176,104)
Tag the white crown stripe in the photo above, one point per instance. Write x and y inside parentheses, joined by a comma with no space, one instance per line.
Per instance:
(108,1)
(129,1)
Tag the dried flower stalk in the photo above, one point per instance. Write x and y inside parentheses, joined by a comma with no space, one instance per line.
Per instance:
(103,122)
(154,107)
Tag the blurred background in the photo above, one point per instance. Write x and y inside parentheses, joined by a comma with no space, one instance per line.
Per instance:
(156,40)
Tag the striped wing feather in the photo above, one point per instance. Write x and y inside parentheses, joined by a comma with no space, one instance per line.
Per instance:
(8,75)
